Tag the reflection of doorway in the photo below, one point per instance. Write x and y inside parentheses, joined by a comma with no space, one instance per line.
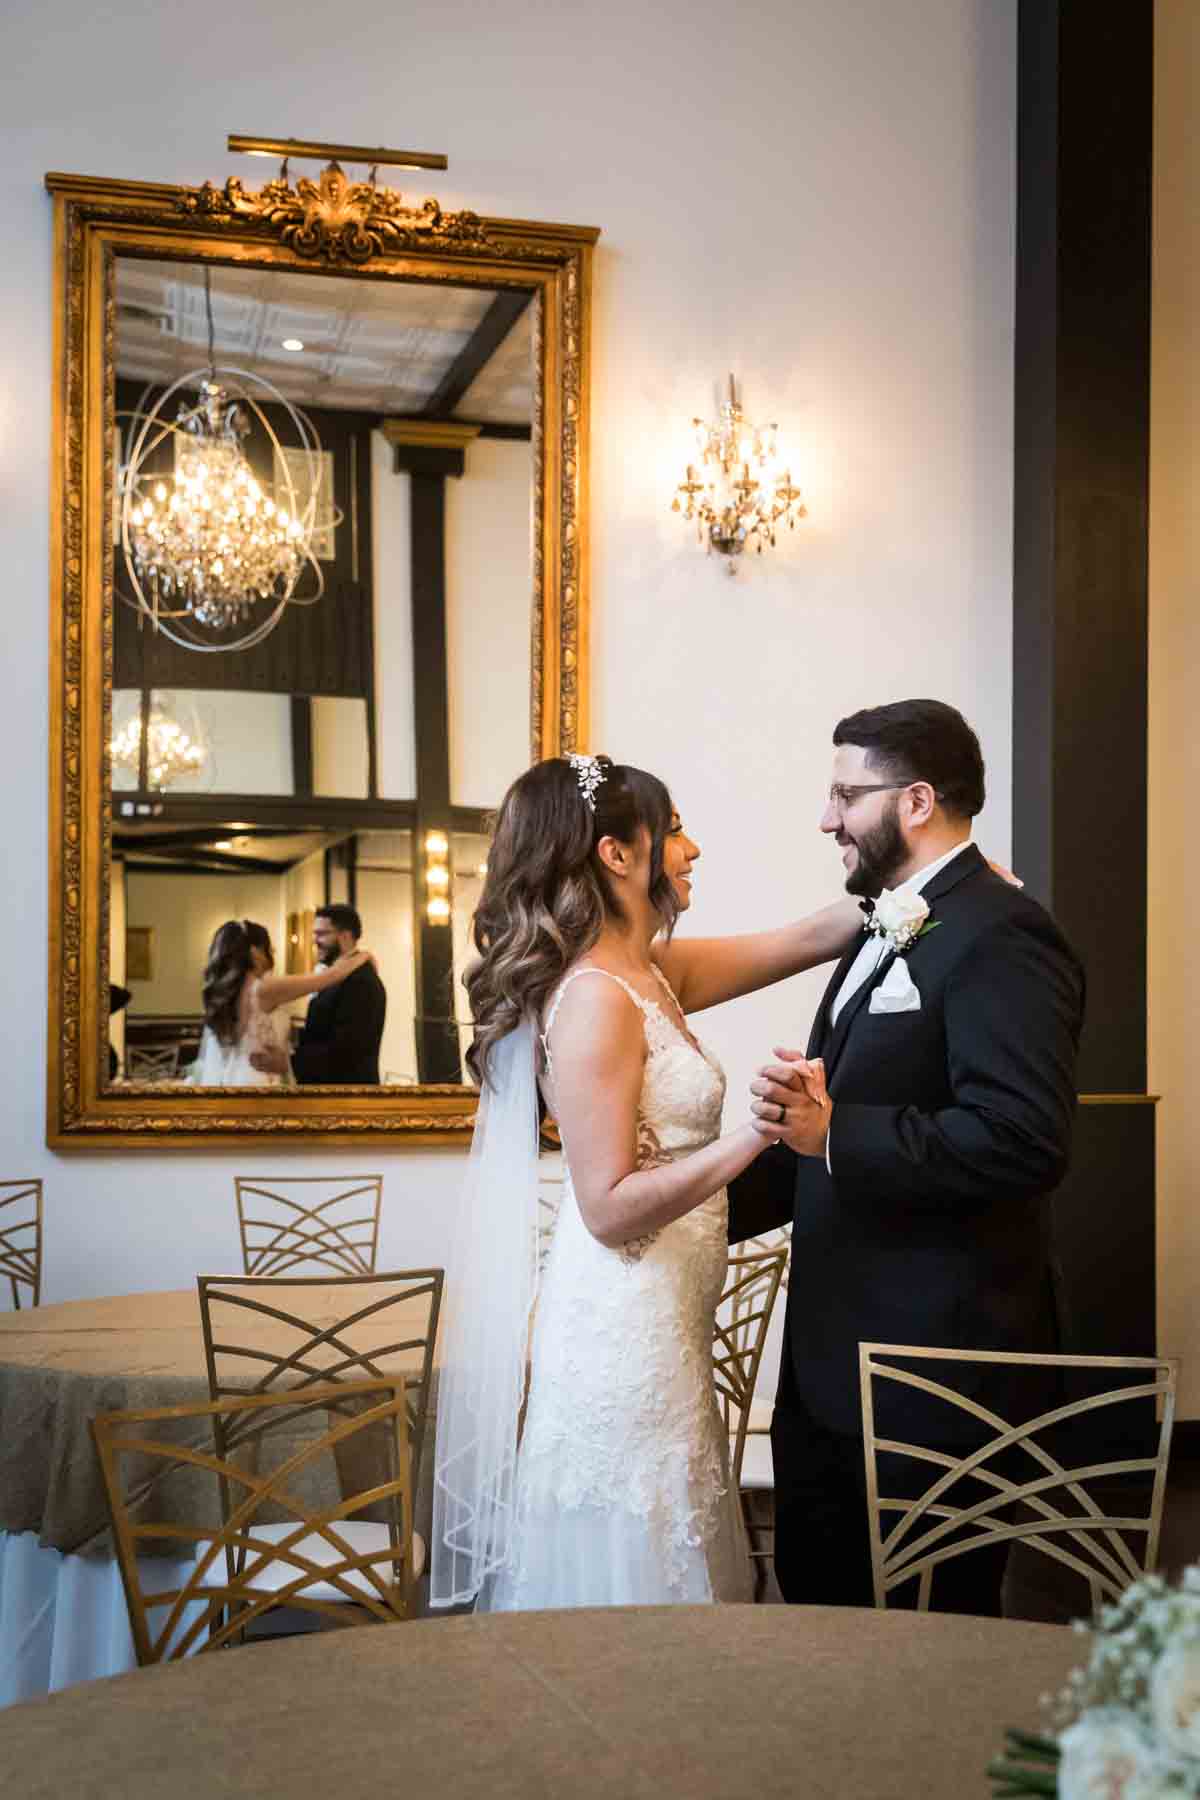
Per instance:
(300,942)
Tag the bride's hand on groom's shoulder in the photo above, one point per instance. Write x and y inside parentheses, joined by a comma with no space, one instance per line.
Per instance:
(1005,874)
(791,1104)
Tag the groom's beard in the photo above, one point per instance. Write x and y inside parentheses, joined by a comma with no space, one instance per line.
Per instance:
(882,853)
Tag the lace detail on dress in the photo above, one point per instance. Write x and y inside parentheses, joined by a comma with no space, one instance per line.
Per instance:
(623,1493)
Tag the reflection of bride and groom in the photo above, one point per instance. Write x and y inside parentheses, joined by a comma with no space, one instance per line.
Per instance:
(247,1023)
(913,1148)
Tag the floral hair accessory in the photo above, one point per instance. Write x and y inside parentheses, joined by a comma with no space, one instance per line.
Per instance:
(590,774)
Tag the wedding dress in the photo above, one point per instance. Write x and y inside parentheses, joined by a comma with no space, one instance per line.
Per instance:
(228,1065)
(623,1494)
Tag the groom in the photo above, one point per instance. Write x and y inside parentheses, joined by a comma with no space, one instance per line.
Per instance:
(920,1192)
(343,1028)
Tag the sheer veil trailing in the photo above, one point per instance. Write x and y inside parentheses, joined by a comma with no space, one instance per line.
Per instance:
(490,1286)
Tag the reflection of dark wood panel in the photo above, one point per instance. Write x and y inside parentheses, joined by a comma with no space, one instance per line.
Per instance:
(478,351)
(322,649)
(436,1035)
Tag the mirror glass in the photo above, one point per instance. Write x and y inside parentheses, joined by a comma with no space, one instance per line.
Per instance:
(353,754)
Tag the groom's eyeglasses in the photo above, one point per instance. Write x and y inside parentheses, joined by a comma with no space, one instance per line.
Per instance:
(842,796)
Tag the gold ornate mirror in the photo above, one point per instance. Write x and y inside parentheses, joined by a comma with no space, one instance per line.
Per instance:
(318,593)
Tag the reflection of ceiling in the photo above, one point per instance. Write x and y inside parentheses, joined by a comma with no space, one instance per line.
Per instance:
(379,346)
(258,849)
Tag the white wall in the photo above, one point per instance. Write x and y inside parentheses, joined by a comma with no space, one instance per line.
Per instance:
(824,206)
(488,619)
(1174,972)
(185,911)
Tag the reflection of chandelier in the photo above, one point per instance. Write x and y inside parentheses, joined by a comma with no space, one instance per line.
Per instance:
(170,752)
(216,543)
(210,546)
(737,497)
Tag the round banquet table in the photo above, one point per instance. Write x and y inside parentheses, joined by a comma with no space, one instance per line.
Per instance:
(62,1612)
(657,1701)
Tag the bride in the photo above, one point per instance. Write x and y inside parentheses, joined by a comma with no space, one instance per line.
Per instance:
(244,1001)
(620,1493)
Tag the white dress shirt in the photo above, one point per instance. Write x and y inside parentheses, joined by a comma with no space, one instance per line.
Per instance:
(875,948)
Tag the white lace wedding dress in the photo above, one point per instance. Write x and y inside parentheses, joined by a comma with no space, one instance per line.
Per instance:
(623,1495)
(228,1065)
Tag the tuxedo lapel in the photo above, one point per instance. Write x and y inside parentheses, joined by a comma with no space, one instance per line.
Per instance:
(821,1030)
(837,1038)
(967,862)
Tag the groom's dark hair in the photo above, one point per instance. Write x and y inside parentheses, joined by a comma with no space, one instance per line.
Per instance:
(342,918)
(921,740)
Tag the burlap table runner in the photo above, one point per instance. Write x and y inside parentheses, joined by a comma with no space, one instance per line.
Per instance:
(699,1703)
(60,1365)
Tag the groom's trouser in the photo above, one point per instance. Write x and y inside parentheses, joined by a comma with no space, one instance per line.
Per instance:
(822,1541)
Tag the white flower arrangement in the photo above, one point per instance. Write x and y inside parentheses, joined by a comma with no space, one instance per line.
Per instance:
(900,919)
(1135,1707)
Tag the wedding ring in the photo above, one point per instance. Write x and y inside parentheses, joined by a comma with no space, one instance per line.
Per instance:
(782,1113)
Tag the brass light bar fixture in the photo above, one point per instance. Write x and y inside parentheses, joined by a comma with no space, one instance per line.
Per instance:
(308,150)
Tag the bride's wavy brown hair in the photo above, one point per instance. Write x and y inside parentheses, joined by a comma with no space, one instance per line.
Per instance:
(226,969)
(546,895)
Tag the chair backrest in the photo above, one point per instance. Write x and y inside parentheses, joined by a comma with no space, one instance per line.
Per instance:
(292,1222)
(1048,1505)
(21,1239)
(152,1062)
(780,1239)
(264,1334)
(752,1284)
(239,1571)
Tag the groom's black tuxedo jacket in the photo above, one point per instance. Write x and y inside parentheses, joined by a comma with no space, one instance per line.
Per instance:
(951,1127)
(342,1031)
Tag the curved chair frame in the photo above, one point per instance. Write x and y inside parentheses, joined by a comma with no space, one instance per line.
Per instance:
(1088,1540)
(21,1239)
(223,1593)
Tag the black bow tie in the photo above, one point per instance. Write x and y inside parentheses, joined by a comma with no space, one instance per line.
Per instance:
(867,908)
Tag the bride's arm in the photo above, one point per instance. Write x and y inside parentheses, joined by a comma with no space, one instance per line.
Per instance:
(278,990)
(599,1051)
(705,971)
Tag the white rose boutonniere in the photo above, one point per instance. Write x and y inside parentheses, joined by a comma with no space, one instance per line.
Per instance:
(900,919)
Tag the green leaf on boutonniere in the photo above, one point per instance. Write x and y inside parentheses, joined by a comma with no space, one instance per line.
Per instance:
(929,925)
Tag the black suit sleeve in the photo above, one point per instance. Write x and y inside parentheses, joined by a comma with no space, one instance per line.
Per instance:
(763,1197)
(354,1037)
(1013,1011)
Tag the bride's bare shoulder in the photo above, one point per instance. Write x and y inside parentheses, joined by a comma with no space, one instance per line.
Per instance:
(590,998)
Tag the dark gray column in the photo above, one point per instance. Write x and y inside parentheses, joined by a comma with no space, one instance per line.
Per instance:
(1082,399)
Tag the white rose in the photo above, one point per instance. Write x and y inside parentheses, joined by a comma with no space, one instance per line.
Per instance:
(1107,1756)
(900,916)
(1175,1699)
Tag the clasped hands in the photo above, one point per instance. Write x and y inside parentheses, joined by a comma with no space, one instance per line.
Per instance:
(792,1106)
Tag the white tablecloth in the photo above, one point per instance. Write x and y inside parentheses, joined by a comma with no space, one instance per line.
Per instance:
(62,1618)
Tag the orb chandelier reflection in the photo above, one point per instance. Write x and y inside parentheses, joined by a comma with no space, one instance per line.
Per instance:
(210,546)
(171,752)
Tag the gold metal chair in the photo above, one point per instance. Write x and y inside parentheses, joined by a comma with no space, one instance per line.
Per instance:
(21,1238)
(321,1559)
(152,1062)
(261,1336)
(287,1222)
(752,1284)
(1085,1538)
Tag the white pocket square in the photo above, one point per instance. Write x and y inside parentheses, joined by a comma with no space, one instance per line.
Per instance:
(897,992)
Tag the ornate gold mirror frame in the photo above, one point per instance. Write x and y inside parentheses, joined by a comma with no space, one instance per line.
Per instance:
(330,225)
